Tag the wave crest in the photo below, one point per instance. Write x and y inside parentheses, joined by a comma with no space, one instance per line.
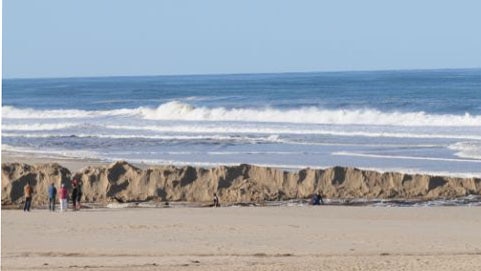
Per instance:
(310,115)
(313,115)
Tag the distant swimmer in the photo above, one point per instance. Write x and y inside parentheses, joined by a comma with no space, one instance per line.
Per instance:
(317,199)
(28,191)
(216,200)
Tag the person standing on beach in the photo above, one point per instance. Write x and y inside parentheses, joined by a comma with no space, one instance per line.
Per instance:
(52,193)
(63,197)
(28,191)
(216,200)
(74,194)
(79,194)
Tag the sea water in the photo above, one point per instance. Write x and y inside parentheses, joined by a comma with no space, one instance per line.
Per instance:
(426,121)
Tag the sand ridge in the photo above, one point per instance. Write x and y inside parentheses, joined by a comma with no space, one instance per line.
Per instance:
(121,181)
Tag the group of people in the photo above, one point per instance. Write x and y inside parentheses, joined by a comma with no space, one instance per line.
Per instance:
(63,196)
(76,196)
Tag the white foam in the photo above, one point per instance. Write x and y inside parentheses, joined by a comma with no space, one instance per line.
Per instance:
(181,111)
(226,129)
(250,139)
(470,149)
(38,126)
(313,115)
(404,157)
(10,112)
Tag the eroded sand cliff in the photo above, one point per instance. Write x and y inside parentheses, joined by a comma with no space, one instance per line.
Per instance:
(121,181)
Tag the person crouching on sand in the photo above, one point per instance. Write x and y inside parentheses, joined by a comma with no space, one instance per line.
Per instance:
(28,191)
(317,199)
(52,194)
(63,198)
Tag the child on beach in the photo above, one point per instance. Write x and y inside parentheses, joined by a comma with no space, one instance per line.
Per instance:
(63,198)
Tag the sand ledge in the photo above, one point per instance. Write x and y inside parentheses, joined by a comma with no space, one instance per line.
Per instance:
(123,182)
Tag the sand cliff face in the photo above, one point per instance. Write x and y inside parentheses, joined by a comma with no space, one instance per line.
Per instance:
(15,176)
(121,181)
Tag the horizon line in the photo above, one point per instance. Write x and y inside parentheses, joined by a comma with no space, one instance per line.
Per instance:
(237,74)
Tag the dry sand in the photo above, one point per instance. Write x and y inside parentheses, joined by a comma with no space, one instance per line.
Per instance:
(247,238)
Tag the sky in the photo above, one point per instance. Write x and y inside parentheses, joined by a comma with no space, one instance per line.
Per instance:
(59,38)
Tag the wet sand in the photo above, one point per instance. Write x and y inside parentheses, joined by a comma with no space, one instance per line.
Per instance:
(73,164)
(246,238)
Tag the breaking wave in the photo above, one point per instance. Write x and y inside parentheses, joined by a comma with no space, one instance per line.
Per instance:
(312,115)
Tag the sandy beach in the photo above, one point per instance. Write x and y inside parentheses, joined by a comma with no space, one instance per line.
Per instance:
(247,135)
(241,238)
(270,238)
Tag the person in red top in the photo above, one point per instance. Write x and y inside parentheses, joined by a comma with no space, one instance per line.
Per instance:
(63,198)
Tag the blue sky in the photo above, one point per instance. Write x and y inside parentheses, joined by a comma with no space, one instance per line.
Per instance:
(58,38)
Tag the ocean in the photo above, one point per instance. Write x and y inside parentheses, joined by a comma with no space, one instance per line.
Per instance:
(423,121)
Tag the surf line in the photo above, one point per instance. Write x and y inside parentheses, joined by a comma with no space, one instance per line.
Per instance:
(404,157)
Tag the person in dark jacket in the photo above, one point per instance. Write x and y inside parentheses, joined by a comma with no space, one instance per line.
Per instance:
(52,194)
(79,193)
(74,195)
(317,199)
